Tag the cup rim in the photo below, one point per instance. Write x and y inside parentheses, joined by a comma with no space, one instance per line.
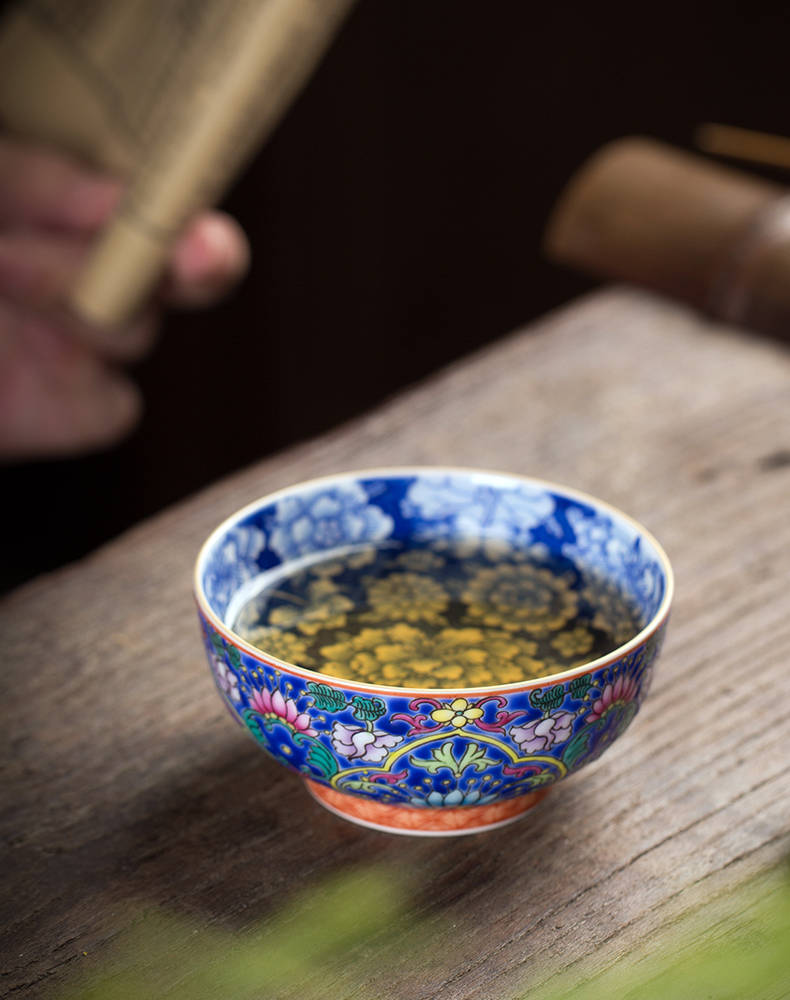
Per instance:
(652,626)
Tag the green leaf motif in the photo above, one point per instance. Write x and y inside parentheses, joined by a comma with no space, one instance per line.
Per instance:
(543,778)
(368,709)
(593,738)
(578,746)
(326,698)
(234,657)
(579,686)
(322,759)
(473,756)
(360,785)
(217,643)
(549,699)
(442,757)
(255,724)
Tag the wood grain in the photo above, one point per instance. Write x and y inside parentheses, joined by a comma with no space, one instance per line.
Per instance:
(126,788)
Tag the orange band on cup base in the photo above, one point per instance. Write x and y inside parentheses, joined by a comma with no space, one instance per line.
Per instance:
(427,821)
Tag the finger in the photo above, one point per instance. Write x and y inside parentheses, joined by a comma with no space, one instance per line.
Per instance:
(40,187)
(38,270)
(211,257)
(123,344)
(56,397)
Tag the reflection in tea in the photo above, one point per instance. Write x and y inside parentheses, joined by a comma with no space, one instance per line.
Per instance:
(452,614)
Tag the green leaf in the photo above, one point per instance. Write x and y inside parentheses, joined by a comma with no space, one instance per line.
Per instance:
(579,745)
(326,698)
(360,785)
(442,757)
(297,952)
(368,709)
(234,657)
(322,759)
(357,927)
(473,756)
(579,686)
(549,699)
(255,724)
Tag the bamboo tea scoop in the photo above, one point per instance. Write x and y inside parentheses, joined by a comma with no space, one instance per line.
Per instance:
(644,212)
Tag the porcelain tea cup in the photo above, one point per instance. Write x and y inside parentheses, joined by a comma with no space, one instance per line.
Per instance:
(441,760)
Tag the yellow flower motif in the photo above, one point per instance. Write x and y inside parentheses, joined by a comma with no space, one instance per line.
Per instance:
(362,558)
(326,608)
(284,645)
(420,560)
(575,642)
(512,658)
(613,613)
(409,597)
(405,656)
(328,569)
(458,713)
(520,597)
(401,656)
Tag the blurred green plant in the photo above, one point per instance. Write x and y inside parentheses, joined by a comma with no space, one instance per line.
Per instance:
(737,948)
(292,953)
(349,936)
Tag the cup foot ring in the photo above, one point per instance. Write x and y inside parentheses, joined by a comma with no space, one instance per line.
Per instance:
(424,822)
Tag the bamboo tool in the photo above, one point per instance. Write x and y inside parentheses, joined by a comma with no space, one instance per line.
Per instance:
(174,98)
(743,144)
(642,211)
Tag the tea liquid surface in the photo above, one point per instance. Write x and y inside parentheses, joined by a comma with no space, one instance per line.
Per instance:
(445,615)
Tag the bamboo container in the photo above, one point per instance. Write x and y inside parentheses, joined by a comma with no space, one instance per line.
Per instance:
(644,212)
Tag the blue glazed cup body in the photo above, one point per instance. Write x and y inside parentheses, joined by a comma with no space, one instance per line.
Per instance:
(440,749)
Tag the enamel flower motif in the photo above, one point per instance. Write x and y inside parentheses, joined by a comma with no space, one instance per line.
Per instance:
(458,713)
(326,519)
(326,608)
(405,656)
(274,708)
(544,734)
(472,797)
(459,507)
(359,743)
(284,645)
(410,597)
(226,679)
(615,694)
(521,597)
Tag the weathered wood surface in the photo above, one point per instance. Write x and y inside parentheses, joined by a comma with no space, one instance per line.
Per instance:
(127,787)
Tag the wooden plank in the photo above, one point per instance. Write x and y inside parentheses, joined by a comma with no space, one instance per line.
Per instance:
(126,789)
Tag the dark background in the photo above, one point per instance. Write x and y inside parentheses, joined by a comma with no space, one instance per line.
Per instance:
(395,218)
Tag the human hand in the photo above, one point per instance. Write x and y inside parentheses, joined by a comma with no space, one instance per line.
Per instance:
(62,390)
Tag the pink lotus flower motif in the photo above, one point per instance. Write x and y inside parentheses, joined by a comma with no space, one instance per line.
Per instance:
(275,708)
(620,693)
(544,734)
(359,743)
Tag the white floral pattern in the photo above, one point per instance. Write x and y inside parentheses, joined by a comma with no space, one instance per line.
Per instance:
(326,519)
(233,563)
(543,734)
(459,507)
(359,743)
(611,550)
(226,679)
